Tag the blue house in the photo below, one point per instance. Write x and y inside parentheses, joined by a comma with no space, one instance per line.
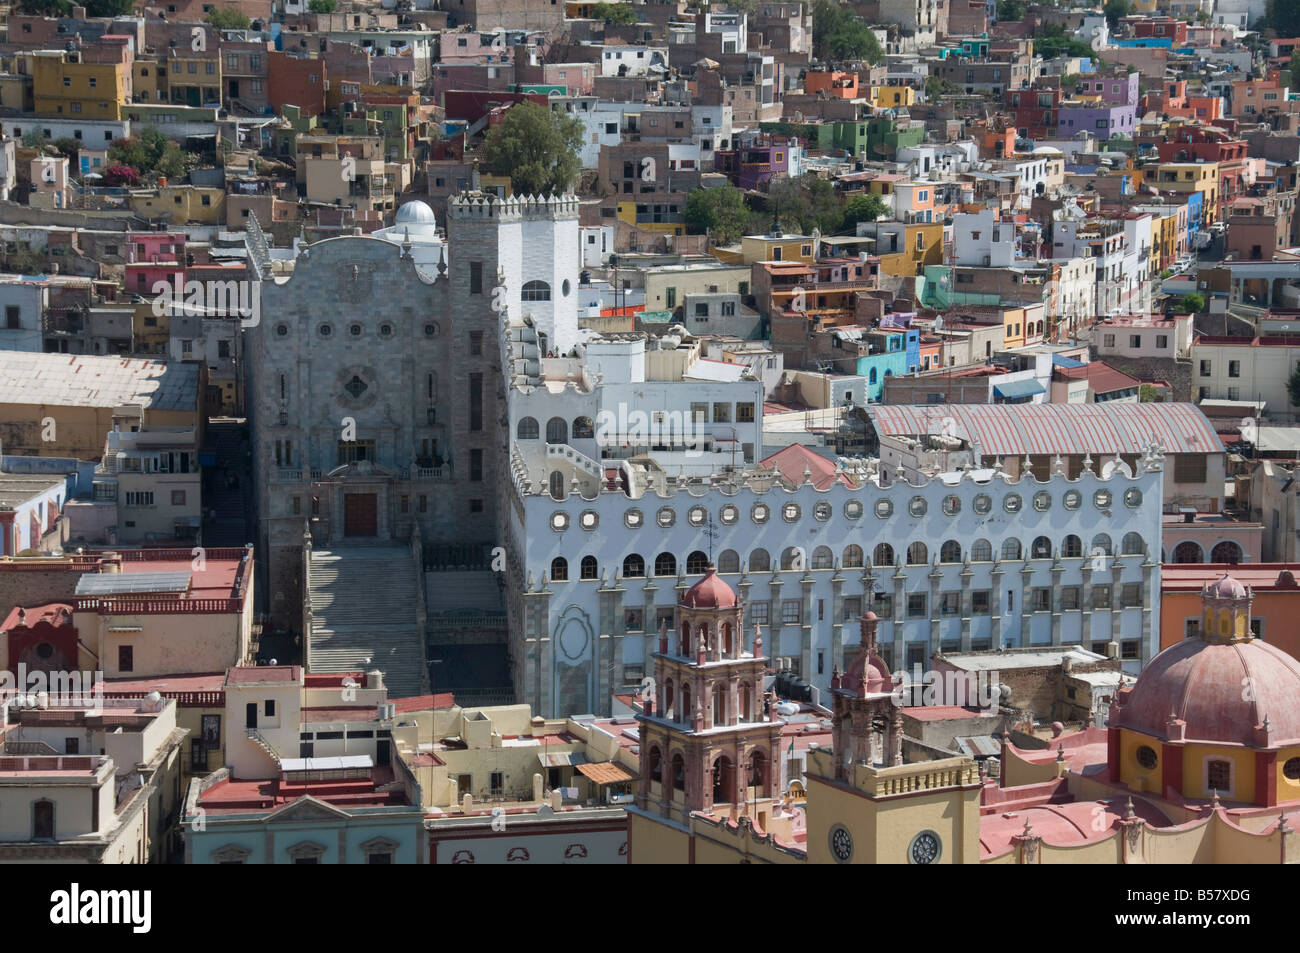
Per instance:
(891,352)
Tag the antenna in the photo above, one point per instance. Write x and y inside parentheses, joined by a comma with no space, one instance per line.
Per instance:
(711,534)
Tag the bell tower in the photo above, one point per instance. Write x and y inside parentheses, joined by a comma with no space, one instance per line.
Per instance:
(711,741)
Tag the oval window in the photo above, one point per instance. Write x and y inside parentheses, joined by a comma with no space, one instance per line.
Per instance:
(1042,501)
(1012,503)
(1101,499)
(822,511)
(1072,499)
(1146,756)
(666,516)
(951,505)
(729,514)
(696,516)
(884,509)
(917,506)
(559,522)
(791,512)
(982,504)
(1133,497)
(759,513)
(633,519)
(853,509)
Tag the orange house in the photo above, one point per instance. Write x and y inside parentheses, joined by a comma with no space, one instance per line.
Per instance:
(1273,614)
(835,85)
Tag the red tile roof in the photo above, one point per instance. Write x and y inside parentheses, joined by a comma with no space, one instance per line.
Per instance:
(46,613)
(795,459)
(423,702)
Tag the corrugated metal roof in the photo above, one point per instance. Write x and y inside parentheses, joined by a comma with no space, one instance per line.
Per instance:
(979,746)
(112,584)
(562,759)
(1013,389)
(1018,429)
(606,772)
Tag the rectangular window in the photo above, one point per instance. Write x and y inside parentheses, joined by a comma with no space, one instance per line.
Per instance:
(745,413)
(476,402)
(758,612)
(1205,368)
(882,604)
(721,413)
(1234,368)
(497,783)
(178,497)
(1135,340)
(980,601)
(1132,595)
(1042,599)
(916,605)
(633,619)
(950,604)
(423,503)
(13,317)
(1070,597)
(1101,597)
(1189,468)
(1162,341)
(476,342)
(125,658)
(476,465)
(269,708)
(476,277)
(791,611)
(1128,649)
(852,608)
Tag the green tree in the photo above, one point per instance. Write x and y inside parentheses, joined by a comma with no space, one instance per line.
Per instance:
(863,208)
(719,212)
(806,203)
(45,8)
(937,87)
(839,34)
(322,6)
(614,13)
(537,148)
(228,19)
(1283,17)
(109,8)
(1010,10)
(1193,303)
(67,146)
(1295,67)
(1293,387)
(1114,10)
(1052,41)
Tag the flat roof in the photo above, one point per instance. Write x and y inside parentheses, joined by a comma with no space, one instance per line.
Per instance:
(81,380)
(116,583)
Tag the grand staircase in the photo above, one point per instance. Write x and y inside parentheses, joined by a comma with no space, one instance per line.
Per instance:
(364,604)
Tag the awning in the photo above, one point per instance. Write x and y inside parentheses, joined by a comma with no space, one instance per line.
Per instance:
(606,772)
(1060,360)
(1014,389)
(565,759)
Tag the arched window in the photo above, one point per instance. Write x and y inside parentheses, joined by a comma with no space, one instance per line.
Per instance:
(665,564)
(1133,544)
(1189,552)
(917,554)
(728,561)
(1226,552)
(852,556)
(687,713)
(587,568)
(883,555)
(1101,542)
(557,431)
(1011,549)
(822,558)
(1041,549)
(950,552)
(792,557)
(583,428)
(559,569)
(684,646)
(760,561)
(527,429)
(871,376)
(696,563)
(633,566)
(656,759)
(535,291)
(981,551)
(719,706)
(43,820)
(1071,547)
(557,485)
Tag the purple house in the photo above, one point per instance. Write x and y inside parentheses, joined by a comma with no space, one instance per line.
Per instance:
(755,163)
(1101,122)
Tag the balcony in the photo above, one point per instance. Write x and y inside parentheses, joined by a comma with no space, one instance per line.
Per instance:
(430,474)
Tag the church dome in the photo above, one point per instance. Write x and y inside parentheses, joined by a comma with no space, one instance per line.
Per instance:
(415,212)
(1226,588)
(1223,692)
(711,592)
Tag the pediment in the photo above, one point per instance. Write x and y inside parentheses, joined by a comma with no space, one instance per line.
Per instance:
(306,808)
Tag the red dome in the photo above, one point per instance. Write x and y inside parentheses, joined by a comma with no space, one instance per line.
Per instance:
(1226,588)
(877,674)
(1222,691)
(711,592)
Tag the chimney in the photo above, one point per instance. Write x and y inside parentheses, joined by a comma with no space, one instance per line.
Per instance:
(78,13)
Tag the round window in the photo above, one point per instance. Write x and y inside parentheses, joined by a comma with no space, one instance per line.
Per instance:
(1072,499)
(791,512)
(1146,756)
(759,513)
(588,519)
(385,330)
(982,503)
(729,514)
(1291,770)
(1042,501)
(925,848)
(326,330)
(666,516)
(696,516)
(282,330)
(559,521)
(841,842)
(951,505)
(917,506)
(354,330)
(1012,503)
(431,330)
(822,511)
(853,509)
(44,650)
(884,509)
(1101,499)
(633,519)
(1133,497)
(564,288)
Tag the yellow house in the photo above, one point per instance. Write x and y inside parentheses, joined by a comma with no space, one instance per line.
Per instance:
(892,97)
(149,81)
(62,85)
(658,213)
(182,204)
(777,248)
(192,80)
(1200,177)
(906,249)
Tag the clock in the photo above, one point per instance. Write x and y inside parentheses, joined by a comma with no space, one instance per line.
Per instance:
(925,848)
(841,842)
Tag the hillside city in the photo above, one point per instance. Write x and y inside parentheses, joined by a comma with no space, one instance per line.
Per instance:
(619,432)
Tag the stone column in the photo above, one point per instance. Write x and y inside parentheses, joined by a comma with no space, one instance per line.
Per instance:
(1026,603)
(995,599)
(1057,571)
(967,574)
